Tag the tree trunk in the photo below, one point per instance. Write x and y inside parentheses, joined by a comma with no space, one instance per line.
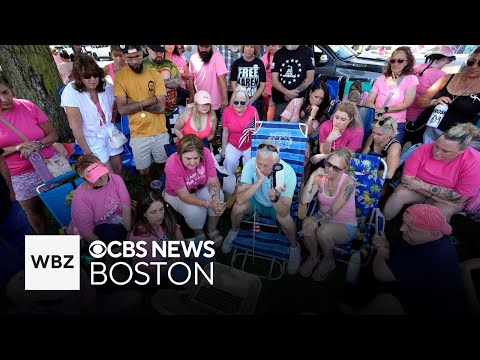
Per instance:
(32,74)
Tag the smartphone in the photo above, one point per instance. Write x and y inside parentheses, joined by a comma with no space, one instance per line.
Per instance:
(379,222)
(278,176)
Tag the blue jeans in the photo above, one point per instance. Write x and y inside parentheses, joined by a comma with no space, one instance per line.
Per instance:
(401,133)
(260,106)
(13,229)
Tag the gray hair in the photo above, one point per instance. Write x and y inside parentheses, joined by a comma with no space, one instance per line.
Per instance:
(239,89)
(388,122)
(463,134)
(264,151)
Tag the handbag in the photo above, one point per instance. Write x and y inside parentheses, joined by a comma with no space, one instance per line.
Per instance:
(57,165)
(414,129)
(116,138)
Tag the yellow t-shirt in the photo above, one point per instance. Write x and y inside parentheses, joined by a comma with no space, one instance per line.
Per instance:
(138,87)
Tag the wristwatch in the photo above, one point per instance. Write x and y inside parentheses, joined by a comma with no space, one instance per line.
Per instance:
(276,198)
(41,145)
(386,109)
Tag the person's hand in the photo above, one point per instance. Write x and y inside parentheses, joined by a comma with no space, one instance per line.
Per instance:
(217,206)
(222,153)
(441,100)
(27,147)
(334,135)
(317,158)
(260,176)
(224,104)
(314,111)
(381,244)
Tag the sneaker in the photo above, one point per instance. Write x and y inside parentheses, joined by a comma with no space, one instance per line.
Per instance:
(323,269)
(294,260)
(227,242)
(307,267)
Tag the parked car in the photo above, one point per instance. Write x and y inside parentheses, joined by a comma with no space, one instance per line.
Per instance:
(101,52)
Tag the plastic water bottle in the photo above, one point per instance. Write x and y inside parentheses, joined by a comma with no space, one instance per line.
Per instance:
(40,167)
(353,269)
(437,115)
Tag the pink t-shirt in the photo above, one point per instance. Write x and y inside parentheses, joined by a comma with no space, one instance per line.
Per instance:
(351,138)
(380,88)
(159,237)
(92,207)
(181,66)
(428,78)
(26,117)
(206,76)
(460,174)
(179,177)
(347,213)
(268,86)
(238,134)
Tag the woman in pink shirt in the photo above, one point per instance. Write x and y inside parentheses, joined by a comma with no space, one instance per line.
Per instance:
(398,85)
(101,206)
(193,188)
(443,173)
(335,192)
(267,59)
(27,118)
(238,122)
(344,130)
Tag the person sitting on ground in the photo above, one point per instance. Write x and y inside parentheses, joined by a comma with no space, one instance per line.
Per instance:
(239,121)
(335,191)
(255,193)
(343,130)
(193,188)
(200,119)
(423,265)
(155,222)
(101,205)
(443,173)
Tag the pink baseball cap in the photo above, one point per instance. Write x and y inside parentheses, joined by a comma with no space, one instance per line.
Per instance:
(202,97)
(445,50)
(427,217)
(95,172)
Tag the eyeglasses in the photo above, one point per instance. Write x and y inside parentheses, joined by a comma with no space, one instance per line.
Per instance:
(88,77)
(236,102)
(330,165)
(472,62)
(393,61)
(269,147)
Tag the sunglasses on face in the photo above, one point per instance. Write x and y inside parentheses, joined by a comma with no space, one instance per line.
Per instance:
(237,102)
(88,77)
(328,164)
(472,62)
(393,61)
(269,147)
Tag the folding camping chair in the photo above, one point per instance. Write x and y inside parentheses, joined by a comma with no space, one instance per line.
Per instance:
(57,196)
(366,86)
(364,170)
(269,243)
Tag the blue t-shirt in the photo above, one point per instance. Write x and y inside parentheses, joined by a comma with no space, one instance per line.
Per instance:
(249,176)
(428,275)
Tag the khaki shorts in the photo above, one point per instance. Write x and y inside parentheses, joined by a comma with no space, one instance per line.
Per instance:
(149,149)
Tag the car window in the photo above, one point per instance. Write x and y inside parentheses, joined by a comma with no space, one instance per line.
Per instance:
(343,51)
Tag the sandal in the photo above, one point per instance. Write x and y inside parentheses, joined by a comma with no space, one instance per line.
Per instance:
(215,237)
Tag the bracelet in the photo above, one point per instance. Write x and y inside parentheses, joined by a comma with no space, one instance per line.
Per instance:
(276,198)
(206,204)
(41,144)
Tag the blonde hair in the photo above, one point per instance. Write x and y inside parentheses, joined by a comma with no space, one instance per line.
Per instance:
(344,154)
(352,111)
(463,134)
(256,51)
(84,161)
(189,143)
(197,116)
(388,122)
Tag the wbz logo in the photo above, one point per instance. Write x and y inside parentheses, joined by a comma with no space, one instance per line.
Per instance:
(52,262)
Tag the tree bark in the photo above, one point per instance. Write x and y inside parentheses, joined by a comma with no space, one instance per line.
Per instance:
(32,74)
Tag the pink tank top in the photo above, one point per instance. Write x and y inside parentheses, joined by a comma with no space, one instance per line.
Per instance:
(111,71)
(187,128)
(346,213)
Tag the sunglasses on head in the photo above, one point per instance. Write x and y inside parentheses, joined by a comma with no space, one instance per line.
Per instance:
(472,62)
(241,102)
(328,164)
(393,61)
(269,147)
(380,122)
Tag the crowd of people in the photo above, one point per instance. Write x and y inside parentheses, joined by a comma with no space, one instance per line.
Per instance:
(235,87)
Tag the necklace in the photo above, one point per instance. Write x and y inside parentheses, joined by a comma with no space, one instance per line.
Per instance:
(464,91)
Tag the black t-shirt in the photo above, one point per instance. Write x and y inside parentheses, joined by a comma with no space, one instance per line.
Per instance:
(292,67)
(248,74)
(4,195)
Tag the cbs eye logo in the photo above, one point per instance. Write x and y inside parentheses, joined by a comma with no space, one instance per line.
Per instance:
(97,249)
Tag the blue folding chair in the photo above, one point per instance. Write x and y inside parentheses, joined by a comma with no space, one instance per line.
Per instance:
(269,243)
(57,196)
(366,86)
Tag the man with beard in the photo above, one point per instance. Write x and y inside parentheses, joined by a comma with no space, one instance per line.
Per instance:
(209,72)
(293,70)
(169,71)
(140,93)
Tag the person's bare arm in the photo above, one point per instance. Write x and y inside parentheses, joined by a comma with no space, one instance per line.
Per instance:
(258,93)
(180,123)
(306,83)
(223,85)
(368,143)
(393,159)
(425,99)
(173,82)
(75,121)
